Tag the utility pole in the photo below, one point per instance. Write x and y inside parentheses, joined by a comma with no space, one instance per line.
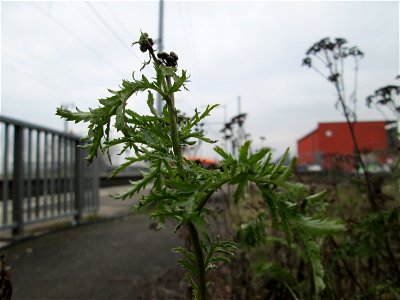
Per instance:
(239,105)
(160,47)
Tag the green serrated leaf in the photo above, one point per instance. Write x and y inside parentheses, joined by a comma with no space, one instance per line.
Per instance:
(138,185)
(228,157)
(240,190)
(316,197)
(244,151)
(186,253)
(287,173)
(280,163)
(317,226)
(130,161)
(188,266)
(270,199)
(313,255)
(120,118)
(150,103)
(78,116)
(258,156)
(179,81)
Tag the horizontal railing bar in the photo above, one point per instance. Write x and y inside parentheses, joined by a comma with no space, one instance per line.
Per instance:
(8,120)
(35,221)
(8,226)
(51,218)
(49,179)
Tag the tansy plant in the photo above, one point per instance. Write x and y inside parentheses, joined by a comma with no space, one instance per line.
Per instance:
(181,188)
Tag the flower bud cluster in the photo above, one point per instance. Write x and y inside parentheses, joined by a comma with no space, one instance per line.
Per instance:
(145,42)
(170,60)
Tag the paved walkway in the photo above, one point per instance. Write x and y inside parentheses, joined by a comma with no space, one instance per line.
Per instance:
(118,258)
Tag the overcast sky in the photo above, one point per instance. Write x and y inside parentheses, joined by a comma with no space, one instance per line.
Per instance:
(55,53)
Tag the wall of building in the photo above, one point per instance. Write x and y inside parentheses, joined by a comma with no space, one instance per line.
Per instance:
(336,138)
(331,145)
(306,147)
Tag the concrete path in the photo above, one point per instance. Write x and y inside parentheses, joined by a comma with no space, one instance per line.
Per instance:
(121,258)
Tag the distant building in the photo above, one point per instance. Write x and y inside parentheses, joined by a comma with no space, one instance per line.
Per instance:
(206,162)
(330,147)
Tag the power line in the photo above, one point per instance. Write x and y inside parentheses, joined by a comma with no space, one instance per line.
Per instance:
(115,34)
(44,64)
(33,78)
(182,17)
(118,20)
(44,83)
(76,37)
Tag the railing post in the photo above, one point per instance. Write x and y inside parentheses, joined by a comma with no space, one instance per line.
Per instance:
(79,177)
(18,181)
(96,182)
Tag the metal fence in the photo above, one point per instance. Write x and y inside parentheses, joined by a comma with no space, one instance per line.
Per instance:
(43,176)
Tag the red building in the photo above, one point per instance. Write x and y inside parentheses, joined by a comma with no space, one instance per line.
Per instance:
(330,145)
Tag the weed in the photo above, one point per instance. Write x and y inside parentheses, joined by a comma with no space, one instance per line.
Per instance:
(181,188)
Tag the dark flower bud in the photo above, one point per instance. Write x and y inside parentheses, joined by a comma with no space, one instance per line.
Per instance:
(354,51)
(173,55)
(333,77)
(340,41)
(323,43)
(170,62)
(383,101)
(143,47)
(144,42)
(307,62)
(162,55)
(330,46)
(369,101)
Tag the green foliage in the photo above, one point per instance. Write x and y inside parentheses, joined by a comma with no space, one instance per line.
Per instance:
(287,207)
(368,235)
(363,262)
(181,188)
(216,253)
(369,252)
(253,233)
(278,274)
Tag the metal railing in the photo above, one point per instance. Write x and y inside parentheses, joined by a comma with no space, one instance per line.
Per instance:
(43,176)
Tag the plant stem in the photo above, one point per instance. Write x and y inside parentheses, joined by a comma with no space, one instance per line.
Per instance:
(340,92)
(350,124)
(203,202)
(174,126)
(347,268)
(201,274)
